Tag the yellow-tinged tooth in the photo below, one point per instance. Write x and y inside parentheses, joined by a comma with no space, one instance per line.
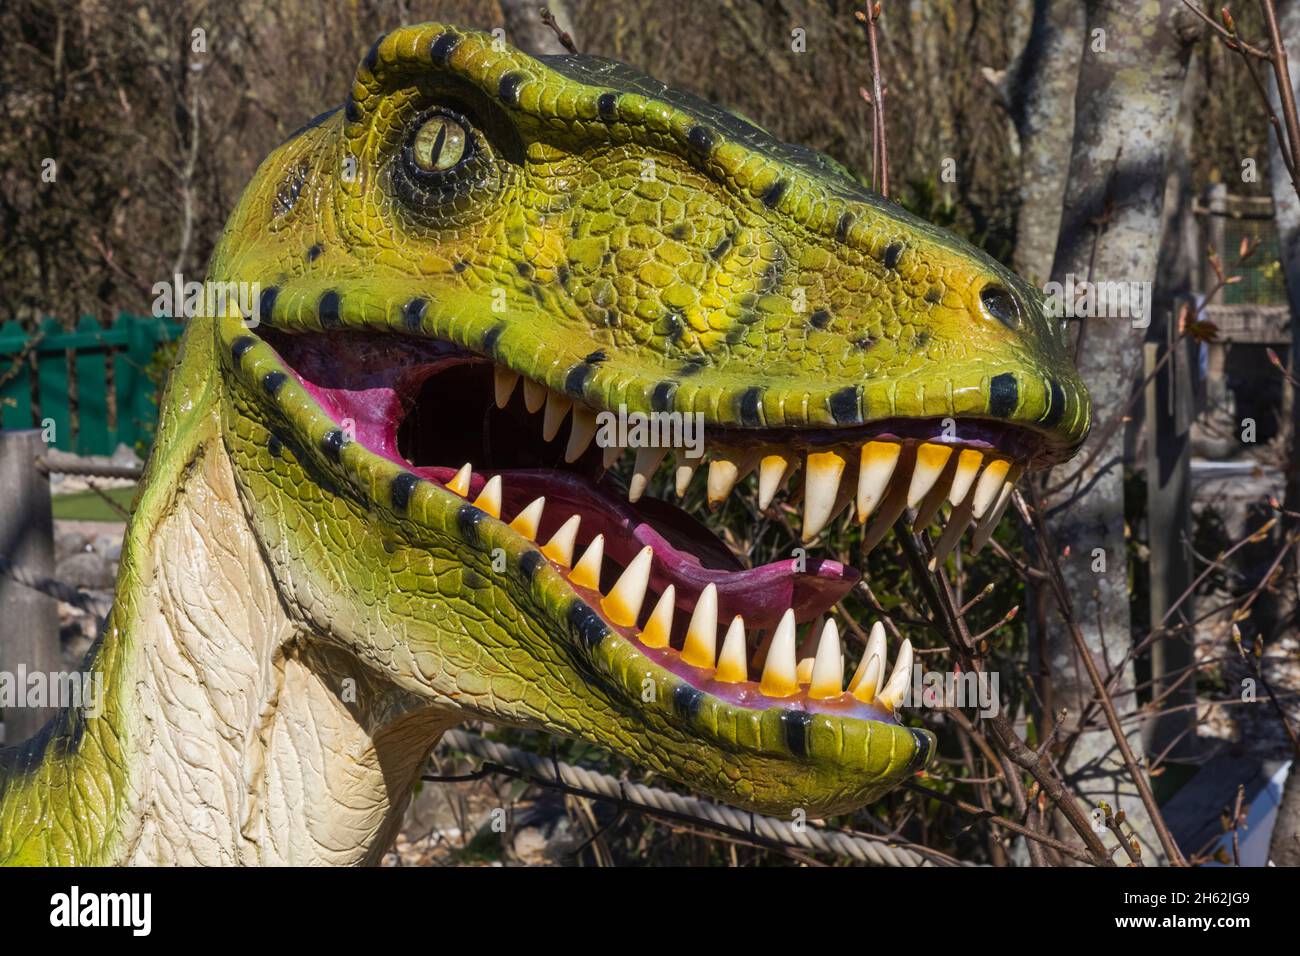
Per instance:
(504,382)
(963,479)
(772,472)
(894,504)
(803,670)
(530,519)
(647,463)
(930,461)
(875,648)
(560,548)
(724,472)
(732,668)
(460,481)
(534,395)
(780,678)
(992,518)
(659,626)
(821,482)
(586,573)
(557,406)
(872,669)
(582,429)
(701,644)
(879,459)
(891,695)
(623,603)
(686,468)
(611,456)
(489,499)
(989,485)
(828,666)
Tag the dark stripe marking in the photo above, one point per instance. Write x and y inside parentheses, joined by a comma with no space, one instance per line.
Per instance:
(586,623)
(596,357)
(922,755)
(241,345)
(720,250)
(575,383)
(467,521)
(413,313)
(843,225)
(845,405)
(775,192)
(661,399)
(893,252)
(1004,395)
(607,105)
(749,406)
(274,446)
(351,110)
(400,488)
(1056,404)
(530,562)
(701,139)
(332,444)
(441,50)
(819,319)
(508,87)
(686,701)
(796,724)
(266,303)
(328,309)
(491,337)
(272,382)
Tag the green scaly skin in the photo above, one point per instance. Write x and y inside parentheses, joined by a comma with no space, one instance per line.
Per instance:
(742,278)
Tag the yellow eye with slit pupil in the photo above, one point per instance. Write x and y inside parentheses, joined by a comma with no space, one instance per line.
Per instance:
(439,144)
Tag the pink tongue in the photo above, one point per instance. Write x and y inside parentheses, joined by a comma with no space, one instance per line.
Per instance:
(761,594)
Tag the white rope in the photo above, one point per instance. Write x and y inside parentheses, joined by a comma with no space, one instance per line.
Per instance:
(57,590)
(807,836)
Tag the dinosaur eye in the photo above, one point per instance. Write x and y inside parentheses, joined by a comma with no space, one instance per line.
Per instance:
(1000,304)
(440,144)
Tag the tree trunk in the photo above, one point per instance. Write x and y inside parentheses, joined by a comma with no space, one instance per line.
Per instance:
(1284,848)
(524,26)
(1040,94)
(1126,106)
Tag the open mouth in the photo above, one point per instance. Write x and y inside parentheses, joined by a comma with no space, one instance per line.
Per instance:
(753,637)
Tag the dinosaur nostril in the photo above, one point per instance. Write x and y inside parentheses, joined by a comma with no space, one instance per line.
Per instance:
(1000,304)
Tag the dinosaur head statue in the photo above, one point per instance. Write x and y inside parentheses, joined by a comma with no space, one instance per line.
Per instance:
(487,277)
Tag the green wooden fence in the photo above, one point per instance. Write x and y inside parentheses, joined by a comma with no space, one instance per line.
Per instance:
(102,371)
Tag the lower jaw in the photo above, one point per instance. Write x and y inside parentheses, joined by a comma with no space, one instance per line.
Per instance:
(377,400)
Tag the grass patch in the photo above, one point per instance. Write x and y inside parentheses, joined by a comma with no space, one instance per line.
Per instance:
(88,506)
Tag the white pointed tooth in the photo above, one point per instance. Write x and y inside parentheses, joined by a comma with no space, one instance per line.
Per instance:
(534,395)
(879,459)
(659,626)
(891,695)
(732,668)
(459,482)
(989,486)
(686,468)
(623,603)
(875,648)
(582,429)
(489,499)
(821,484)
(828,667)
(893,505)
(557,406)
(611,456)
(931,458)
(560,548)
(872,670)
(530,519)
(780,671)
(772,472)
(992,518)
(726,468)
(963,479)
(958,522)
(647,463)
(503,383)
(701,644)
(586,573)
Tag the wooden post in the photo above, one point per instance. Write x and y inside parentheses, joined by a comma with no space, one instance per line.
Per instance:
(29,620)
